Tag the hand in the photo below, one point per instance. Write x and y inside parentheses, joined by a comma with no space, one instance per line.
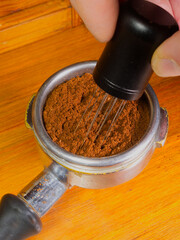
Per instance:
(100,17)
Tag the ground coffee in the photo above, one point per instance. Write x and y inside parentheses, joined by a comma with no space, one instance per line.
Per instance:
(65,106)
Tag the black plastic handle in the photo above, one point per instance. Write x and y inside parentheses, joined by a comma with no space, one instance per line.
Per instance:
(124,67)
(17,221)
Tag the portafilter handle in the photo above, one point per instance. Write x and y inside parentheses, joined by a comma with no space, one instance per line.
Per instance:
(20,215)
(17,221)
(124,67)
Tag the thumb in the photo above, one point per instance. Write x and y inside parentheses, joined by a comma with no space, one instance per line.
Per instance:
(166,59)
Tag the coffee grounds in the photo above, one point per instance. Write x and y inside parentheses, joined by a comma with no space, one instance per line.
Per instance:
(65,106)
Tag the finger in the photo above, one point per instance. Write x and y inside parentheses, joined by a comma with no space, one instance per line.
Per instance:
(176,10)
(166,59)
(164,4)
(100,16)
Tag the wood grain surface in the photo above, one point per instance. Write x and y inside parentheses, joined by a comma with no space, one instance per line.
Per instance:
(24,22)
(145,208)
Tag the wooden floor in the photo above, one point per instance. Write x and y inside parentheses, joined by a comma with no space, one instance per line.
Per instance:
(145,208)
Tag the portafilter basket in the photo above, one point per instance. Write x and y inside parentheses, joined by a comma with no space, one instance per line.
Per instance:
(64,169)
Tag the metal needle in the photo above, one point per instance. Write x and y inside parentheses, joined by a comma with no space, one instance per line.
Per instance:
(86,109)
(121,107)
(108,110)
(97,112)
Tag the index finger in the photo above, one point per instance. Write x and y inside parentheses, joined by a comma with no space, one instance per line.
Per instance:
(99,16)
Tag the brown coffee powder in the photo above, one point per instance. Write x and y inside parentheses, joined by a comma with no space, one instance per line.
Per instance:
(65,106)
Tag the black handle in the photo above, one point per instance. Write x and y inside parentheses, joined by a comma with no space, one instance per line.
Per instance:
(124,67)
(17,221)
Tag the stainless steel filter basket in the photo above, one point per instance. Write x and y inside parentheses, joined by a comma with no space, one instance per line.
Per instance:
(106,171)
(64,169)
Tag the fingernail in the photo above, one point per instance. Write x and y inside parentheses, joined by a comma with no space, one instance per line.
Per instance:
(166,67)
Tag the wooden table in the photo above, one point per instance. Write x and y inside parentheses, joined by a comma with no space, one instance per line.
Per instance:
(147,207)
